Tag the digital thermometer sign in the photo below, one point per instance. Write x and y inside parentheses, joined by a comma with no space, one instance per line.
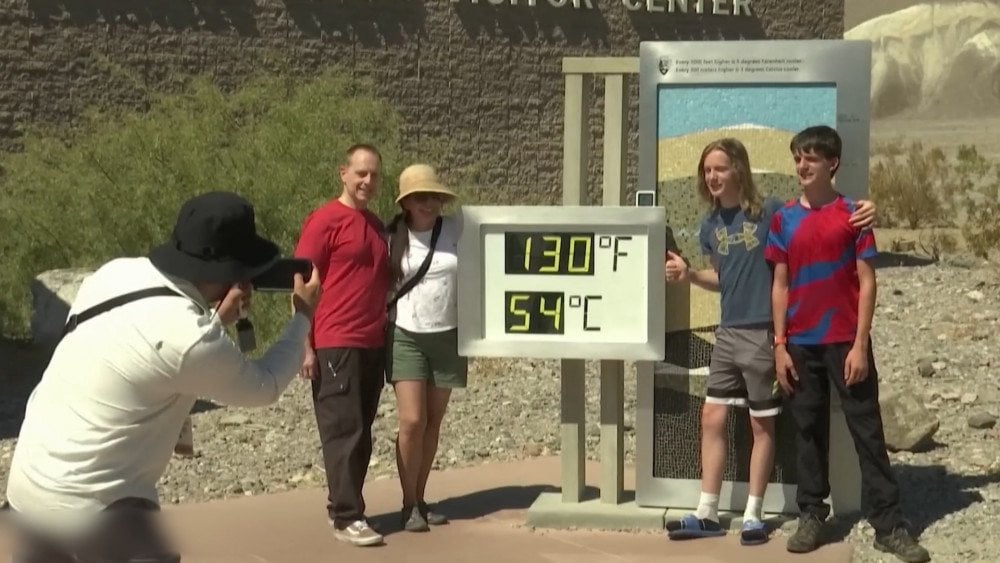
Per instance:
(562,282)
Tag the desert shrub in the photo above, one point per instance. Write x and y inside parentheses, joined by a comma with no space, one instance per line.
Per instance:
(981,230)
(924,188)
(905,186)
(936,243)
(112,186)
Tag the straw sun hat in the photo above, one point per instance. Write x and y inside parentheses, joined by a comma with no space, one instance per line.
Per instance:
(420,178)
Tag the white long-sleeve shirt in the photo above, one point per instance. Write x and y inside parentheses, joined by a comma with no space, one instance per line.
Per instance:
(102,423)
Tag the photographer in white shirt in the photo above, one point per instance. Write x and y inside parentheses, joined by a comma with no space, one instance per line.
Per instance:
(146,337)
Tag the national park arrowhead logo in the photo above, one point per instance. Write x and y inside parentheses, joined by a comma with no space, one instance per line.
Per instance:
(665,65)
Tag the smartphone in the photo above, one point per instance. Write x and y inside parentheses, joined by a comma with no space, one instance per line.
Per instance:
(281,276)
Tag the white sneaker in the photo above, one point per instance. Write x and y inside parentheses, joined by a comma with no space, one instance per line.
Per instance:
(358,533)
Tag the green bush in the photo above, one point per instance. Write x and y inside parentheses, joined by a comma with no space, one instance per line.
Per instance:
(981,230)
(905,184)
(112,186)
(923,188)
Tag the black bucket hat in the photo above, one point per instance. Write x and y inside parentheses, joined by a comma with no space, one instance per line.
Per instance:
(215,240)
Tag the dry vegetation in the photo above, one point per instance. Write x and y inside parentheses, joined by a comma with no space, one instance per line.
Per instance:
(942,195)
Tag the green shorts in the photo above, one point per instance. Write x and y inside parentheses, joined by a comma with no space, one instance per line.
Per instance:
(431,357)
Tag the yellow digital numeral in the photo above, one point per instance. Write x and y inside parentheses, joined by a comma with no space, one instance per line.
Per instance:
(553,254)
(587,241)
(555,313)
(517,311)
(527,254)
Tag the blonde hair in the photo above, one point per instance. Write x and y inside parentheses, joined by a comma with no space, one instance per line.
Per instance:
(750,199)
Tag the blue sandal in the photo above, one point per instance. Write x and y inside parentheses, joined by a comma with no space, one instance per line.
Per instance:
(754,532)
(691,527)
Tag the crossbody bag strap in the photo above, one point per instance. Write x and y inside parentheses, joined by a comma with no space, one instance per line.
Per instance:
(74,320)
(424,266)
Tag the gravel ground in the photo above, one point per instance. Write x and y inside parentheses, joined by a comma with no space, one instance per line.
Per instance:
(945,314)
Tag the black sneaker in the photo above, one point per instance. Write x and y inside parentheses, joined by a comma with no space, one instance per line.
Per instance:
(900,543)
(431,515)
(808,537)
(413,520)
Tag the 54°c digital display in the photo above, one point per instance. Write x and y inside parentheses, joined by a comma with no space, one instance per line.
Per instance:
(544,312)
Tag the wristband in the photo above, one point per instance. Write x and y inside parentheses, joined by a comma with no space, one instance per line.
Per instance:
(780,340)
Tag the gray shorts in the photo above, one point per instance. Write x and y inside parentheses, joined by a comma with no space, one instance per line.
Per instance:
(742,370)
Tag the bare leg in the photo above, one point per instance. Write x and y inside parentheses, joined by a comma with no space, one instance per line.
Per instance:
(411,411)
(437,404)
(762,456)
(713,446)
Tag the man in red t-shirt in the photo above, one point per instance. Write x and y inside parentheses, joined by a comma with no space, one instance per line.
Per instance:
(344,355)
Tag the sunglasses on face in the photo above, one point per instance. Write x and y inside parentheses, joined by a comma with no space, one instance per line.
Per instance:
(427,196)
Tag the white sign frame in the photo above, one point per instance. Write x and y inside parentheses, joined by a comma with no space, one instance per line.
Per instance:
(477,220)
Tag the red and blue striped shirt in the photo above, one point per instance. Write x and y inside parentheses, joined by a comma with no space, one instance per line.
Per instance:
(821,249)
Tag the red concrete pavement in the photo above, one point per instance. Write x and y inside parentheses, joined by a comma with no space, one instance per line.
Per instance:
(487,505)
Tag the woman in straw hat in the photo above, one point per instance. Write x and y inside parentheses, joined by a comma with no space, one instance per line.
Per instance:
(423,364)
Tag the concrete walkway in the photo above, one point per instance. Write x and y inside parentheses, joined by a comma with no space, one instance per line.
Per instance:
(487,505)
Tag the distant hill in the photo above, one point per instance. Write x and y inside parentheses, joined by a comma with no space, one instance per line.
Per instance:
(939,59)
(858,11)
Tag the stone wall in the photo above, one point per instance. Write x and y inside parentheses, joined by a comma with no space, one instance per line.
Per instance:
(483,75)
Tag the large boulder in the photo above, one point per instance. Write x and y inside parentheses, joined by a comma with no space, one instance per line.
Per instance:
(908,425)
(52,293)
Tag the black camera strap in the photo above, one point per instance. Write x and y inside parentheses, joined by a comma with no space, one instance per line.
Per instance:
(75,320)
(424,266)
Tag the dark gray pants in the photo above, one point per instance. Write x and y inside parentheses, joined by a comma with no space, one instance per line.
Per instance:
(126,532)
(345,397)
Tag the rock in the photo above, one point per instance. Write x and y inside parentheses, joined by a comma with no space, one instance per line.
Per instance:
(235,420)
(982,420)
(532,450)
(52,293)
(968,398)
(908,425)
(925,367)
(975,295)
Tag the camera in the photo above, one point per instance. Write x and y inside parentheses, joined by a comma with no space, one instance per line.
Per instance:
(281,276)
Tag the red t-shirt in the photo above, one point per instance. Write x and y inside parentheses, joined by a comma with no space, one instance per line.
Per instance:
(822,250)
(349,250)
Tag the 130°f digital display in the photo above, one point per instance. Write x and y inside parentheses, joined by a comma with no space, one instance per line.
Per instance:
(558,254)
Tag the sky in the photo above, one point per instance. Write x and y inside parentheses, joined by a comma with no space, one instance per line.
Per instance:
(790,107)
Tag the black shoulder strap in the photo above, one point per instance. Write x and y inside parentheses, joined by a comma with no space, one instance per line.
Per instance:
(75,320)
(415,279)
